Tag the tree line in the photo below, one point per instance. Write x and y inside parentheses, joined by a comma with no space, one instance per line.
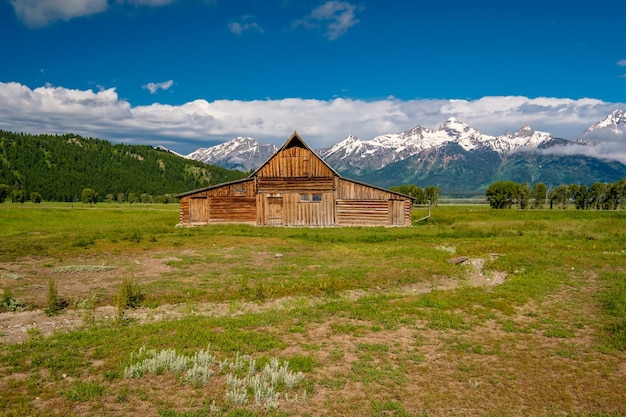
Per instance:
(422,195)
(61,167)
(598,196)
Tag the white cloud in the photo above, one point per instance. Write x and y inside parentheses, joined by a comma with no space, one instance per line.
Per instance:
(321,123)
(622,62)
(246,23)
(39,13)
(336,16)
(154,87)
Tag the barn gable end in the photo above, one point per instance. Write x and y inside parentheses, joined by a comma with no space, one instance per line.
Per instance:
(295,187)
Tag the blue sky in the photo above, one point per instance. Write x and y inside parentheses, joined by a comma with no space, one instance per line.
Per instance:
(192,73)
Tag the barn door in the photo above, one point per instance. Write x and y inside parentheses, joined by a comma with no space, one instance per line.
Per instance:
(396,212)
(274,211)
(198,210)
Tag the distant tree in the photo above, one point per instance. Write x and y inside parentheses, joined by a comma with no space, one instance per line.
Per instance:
(596,195)
(35,198)
(18,196)
(132,198)
(522,196)
(120,197)
(580,194)
(165,199)
(539,195)
(432,194)
(89,196)
(109,198)
(611,197)
(621,192)
(411,190)
(4,192)
(503,194)
(559,196)
(146,198)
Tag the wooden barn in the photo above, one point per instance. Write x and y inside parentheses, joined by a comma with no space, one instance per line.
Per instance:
(295,187)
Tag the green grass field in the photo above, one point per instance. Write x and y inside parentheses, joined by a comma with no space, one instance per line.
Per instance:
(475,312)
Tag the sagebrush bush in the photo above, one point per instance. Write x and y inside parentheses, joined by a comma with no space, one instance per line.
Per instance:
(130,293)
(243,379)
(8,303)
(54,304)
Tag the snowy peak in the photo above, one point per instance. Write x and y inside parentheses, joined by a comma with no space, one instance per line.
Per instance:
(614,123)
(454,127)
(243,153)
(525,131)
(524,138)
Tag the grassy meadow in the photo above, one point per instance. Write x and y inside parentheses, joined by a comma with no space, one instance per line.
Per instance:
(476,312)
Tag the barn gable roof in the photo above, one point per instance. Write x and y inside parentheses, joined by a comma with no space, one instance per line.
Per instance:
(295,141)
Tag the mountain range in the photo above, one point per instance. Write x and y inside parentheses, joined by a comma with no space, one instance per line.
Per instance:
(455,157)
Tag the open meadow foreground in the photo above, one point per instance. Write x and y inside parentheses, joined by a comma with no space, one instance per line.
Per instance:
(110,310)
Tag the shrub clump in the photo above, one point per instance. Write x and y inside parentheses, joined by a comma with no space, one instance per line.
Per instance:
(8,303)
(130,293)
(247,384)
(54,304)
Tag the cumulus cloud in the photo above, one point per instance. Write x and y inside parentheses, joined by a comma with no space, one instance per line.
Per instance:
(154,87)
(39,13)
(335,16)
(246,23)
(321,123)
(622,62)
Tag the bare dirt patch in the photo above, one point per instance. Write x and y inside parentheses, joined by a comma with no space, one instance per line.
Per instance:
(15,327)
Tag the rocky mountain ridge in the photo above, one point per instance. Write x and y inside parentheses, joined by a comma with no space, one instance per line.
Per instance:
(455,156)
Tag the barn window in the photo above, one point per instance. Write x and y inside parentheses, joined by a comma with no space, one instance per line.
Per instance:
(306,198)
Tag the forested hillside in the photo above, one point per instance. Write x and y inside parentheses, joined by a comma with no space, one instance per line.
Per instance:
(60,167)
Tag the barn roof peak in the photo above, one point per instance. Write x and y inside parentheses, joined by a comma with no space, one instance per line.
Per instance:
(295,141)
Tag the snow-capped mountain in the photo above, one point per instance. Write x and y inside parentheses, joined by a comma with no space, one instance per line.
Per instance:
(358,156)
(241,153)
(455,157)
(614,125)
(164,149)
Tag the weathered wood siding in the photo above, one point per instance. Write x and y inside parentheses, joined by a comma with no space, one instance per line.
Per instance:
(360,204)
(291,185)
(351,190)
(295,162)
(232,210)
(289,209)
(362,212)
(240,189)
(229,203)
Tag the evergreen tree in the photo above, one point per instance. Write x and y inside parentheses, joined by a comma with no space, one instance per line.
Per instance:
(4,192)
